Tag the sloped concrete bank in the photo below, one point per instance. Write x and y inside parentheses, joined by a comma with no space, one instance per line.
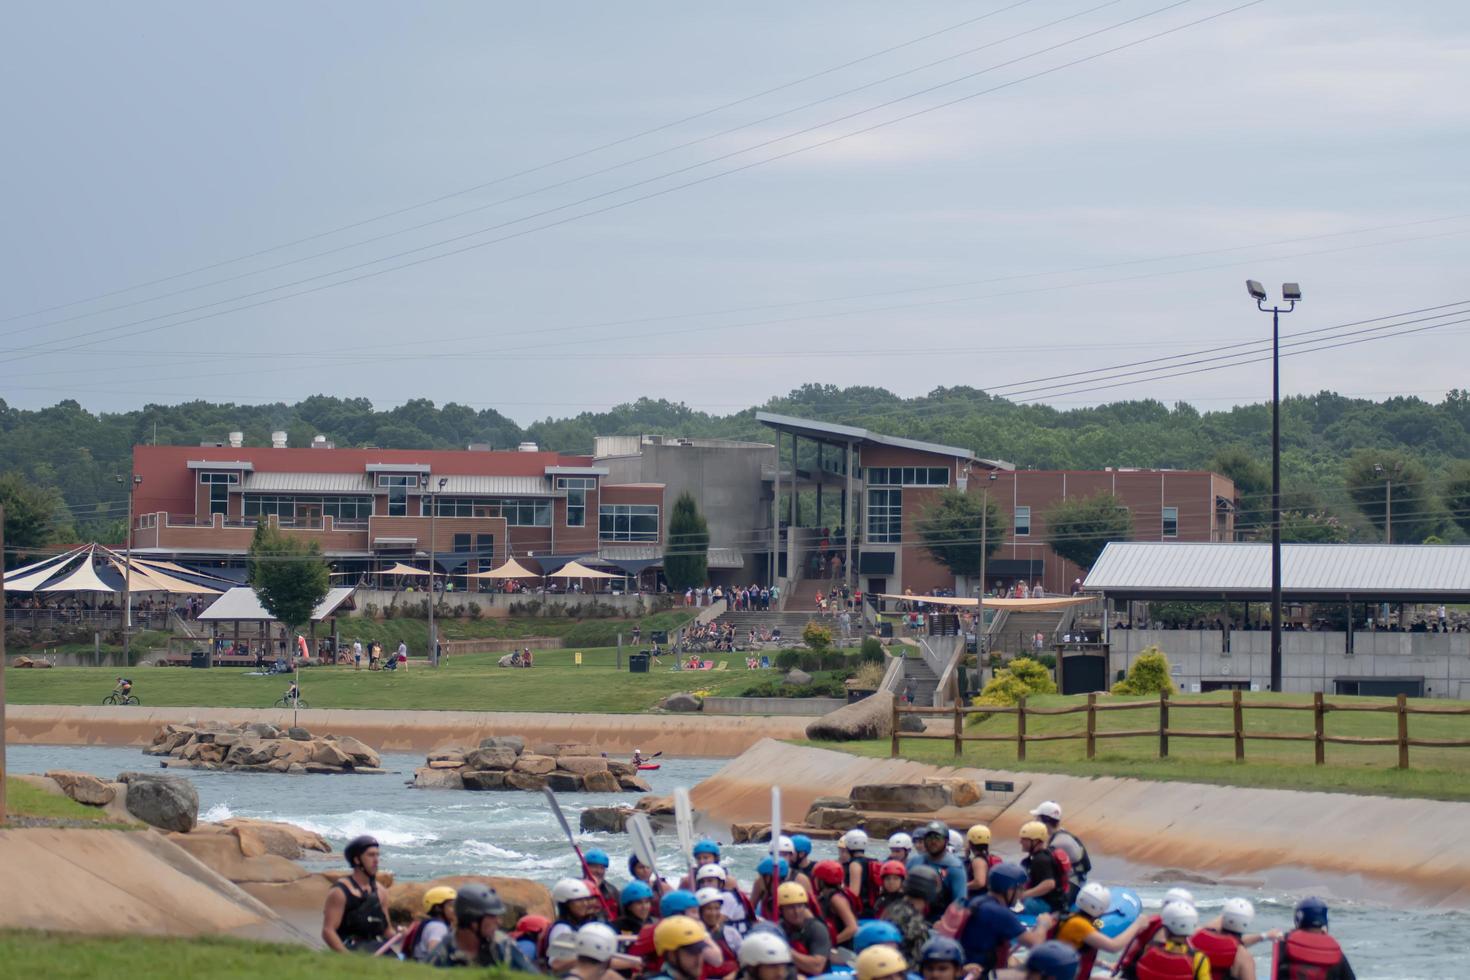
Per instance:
(411,731)
(1417,845)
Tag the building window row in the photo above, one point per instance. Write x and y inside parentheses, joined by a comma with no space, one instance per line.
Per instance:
(908,476)
(1171,522)
(628,522)
(885,516)
(308,510)
(517,511)
(576,488)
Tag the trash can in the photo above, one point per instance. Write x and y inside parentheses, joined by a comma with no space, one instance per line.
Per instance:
(199,658)
(885,630)
(638,663)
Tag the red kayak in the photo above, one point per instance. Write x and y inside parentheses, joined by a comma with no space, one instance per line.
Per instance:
(645,766)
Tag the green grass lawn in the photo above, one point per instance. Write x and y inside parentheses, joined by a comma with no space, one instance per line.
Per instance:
(25,800)
(1434,773)
(69,957)
(471,682)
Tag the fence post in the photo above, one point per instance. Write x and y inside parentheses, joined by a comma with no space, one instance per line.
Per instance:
(893,746)
(1091,724)
(1403,713)
(1021,729)
(1235,698)
(1318,719)
(1163,724)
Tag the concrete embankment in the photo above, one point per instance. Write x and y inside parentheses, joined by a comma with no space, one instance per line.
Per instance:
(1417,846)
(412,731)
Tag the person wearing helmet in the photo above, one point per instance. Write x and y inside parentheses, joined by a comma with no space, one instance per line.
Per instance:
(576,906)
(1052,960)
(355,917)
(881,963)
(725,939)
(597,864)
(1222,942)
(941,958)
(739,910)
(1046,881)
(420,938)
(838,903)
(636,902)
(596,945)
(807,935)
(891,875)
(1149,930)
(900,846)
(1050,815)
(682,942)
(527,931)
(978,859)
(912,914)
(1079,929)
(859,872)
(1173,957)
(934,852)
(676,902)
(992,929)
(1307,951)
(872,933)
(802,845)
(764,956)
(477,939)
(639,871)
(769,875)
(705,852)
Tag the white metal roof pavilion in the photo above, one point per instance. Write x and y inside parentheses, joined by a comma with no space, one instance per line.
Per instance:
(243,604)
(1309,572)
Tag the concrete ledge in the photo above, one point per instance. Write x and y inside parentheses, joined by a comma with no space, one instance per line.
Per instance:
(805,707)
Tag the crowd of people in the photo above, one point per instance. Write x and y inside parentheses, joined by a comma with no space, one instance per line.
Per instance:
(937,905)
(741,598)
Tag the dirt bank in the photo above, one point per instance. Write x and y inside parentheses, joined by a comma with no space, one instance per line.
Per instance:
(412,731)
(1416,845)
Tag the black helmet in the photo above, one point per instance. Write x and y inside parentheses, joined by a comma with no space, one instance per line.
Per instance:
(938,827)
(922,882)
(473,902)
(356,847)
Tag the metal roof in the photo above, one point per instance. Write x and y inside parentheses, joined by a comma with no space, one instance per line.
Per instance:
(279,482)
(244,604)
(219,464)
(850,433)
(499,486)
(1406,572)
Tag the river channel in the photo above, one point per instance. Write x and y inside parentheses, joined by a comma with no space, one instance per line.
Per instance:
(430,833)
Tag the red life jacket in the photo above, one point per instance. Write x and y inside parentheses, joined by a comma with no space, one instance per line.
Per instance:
(1220,947)
(1086,955)
(1064,871)
(1136,947)
(1165,963)
(411,938)
(727,967)
(1305,956)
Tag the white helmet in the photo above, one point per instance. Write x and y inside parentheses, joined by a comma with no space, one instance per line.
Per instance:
(1180,919)
(900,841)
(1237,915)
(956,842)
(764,949)
(785,845)
(710,871)
(707,895)
(569,890)
(1050,810)
(596,941)
(1179,895)
(855,840)
(1093,900)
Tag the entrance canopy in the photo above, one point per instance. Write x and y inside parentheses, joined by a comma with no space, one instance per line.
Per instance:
(1399,573)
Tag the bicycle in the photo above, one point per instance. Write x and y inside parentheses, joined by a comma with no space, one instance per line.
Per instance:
(116,698)
(285,702)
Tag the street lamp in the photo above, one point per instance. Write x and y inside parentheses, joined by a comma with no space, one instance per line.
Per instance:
(984,553)
(1387,479)
(1291,294)
(127,614)
(433,553)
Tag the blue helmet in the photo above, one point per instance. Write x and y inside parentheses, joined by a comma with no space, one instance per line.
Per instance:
(1054,960)
(768,864)
(1005,876)
(875,933)
(597,857)
(707,846)
(633,863)
(1311,913)
(634,891)
(801,843)
(676,903)
(942,949)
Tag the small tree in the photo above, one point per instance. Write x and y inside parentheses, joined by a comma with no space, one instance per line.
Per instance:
(1080,529)
(1148,675)
(686,559)
(289,576)
(950,530)
(35,516)
(1020,678)
(816,636)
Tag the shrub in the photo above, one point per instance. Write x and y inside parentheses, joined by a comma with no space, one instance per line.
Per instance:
(370,610)
(1020,678)
(787,659)
(831,688)
(871,651)
(869,676)
(473,609)
(816,636)
(1148,675)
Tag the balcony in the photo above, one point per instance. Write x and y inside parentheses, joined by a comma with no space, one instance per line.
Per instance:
(216,533)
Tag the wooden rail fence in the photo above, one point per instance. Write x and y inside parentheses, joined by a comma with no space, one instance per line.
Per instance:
(1319,707)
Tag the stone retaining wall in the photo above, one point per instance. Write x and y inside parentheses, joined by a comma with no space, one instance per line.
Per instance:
(806,707)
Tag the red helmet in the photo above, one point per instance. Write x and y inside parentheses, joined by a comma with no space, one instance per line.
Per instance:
(893,868)
(828,873)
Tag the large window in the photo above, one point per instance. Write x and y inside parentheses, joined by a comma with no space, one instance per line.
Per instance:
(885,516)
(1171,522)
(290,510)
(1023,521)
(908,476)
(628,522)
(219,490)
(397,485)
(576,488)
(517,511)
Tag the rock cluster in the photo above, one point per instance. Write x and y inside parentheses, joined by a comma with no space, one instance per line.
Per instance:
(20,663)
(260,747)
(614,819)
(503,763)
(165,802)
(880,809)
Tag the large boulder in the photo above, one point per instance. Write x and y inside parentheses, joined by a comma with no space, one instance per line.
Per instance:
(426,778)
(526,781)
(563,782)
(870,718)
(602,782)
(521,897)
(536,765)
(83,787)
(634,784)
(299,734)
(621,769)
(363,755)
(252,753)
(281,839)
(901,797)
(564,749)
(481,781)
(292,752)
(261,729)
(830,803)
(962,792)
(223,854)
(604,819)
(454,755)
(493,758)
(797,678)
(328,754)
(662,806)
(166,802)
(513,742)
(750,833)
(581,765)
(834,819)
(682,701)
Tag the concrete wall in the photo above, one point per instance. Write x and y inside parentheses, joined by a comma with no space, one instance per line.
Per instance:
(1310,661)
(808,707)
(497,604)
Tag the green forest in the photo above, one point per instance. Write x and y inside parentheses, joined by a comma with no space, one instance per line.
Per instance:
(61,467)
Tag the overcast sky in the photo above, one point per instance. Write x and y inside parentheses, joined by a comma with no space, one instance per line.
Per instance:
(1053,225)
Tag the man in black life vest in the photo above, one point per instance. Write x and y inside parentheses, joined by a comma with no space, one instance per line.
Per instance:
(355,918)
(1308,952)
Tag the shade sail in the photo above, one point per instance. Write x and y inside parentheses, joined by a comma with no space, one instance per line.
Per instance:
(575,569)
(399,568)
(148,578)
(511,569)
(1019,605)
(27,577)
(83,578)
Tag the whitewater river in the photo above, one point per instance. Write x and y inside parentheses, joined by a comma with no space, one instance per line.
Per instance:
(430,833)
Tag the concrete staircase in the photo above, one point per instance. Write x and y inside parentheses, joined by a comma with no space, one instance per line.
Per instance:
(1016,635)
(790,622)
(916,672)
(802,595)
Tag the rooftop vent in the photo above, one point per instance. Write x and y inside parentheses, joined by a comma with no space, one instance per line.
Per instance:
(237,439)
(320,442)
(527,447)
(478,447)
(278,439)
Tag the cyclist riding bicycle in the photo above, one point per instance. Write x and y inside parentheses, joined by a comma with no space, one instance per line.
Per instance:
(292,692)
(124,687)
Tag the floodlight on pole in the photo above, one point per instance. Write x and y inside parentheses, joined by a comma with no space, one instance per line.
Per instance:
(1257,291)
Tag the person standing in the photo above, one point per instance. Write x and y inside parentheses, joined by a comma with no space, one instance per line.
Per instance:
(357,655)
(355,917)
(402,653)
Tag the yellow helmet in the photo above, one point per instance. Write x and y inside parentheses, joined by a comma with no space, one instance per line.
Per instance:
(436,896)
(978,834)
(791,893)
(676,932)
(880,961)
(1033,830)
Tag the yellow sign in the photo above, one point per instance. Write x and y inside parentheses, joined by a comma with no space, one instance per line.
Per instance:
(577,658)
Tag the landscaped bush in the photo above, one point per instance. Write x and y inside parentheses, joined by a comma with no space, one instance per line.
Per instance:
(816,636)
(1148,675)
(1022,677)
(788,660)
(831,688)
(869,676)
(871,651)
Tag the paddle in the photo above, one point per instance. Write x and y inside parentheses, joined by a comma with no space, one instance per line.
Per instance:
(684,825)
(612,913)
(775,850)
(641,830)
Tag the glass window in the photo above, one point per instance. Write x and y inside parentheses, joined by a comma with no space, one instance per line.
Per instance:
(1023,521)
(628,522)
(908,476)
(1171,522)
(219,477)
(394,480)
(576,488)
(885,516)
(397,500)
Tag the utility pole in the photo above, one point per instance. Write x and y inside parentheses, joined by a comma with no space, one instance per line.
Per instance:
(984,554)
(1387,502)
(4,768)
(127,610)
(433,554)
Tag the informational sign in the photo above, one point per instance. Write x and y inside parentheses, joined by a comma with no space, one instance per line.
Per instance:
(577,658)
(999,786)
